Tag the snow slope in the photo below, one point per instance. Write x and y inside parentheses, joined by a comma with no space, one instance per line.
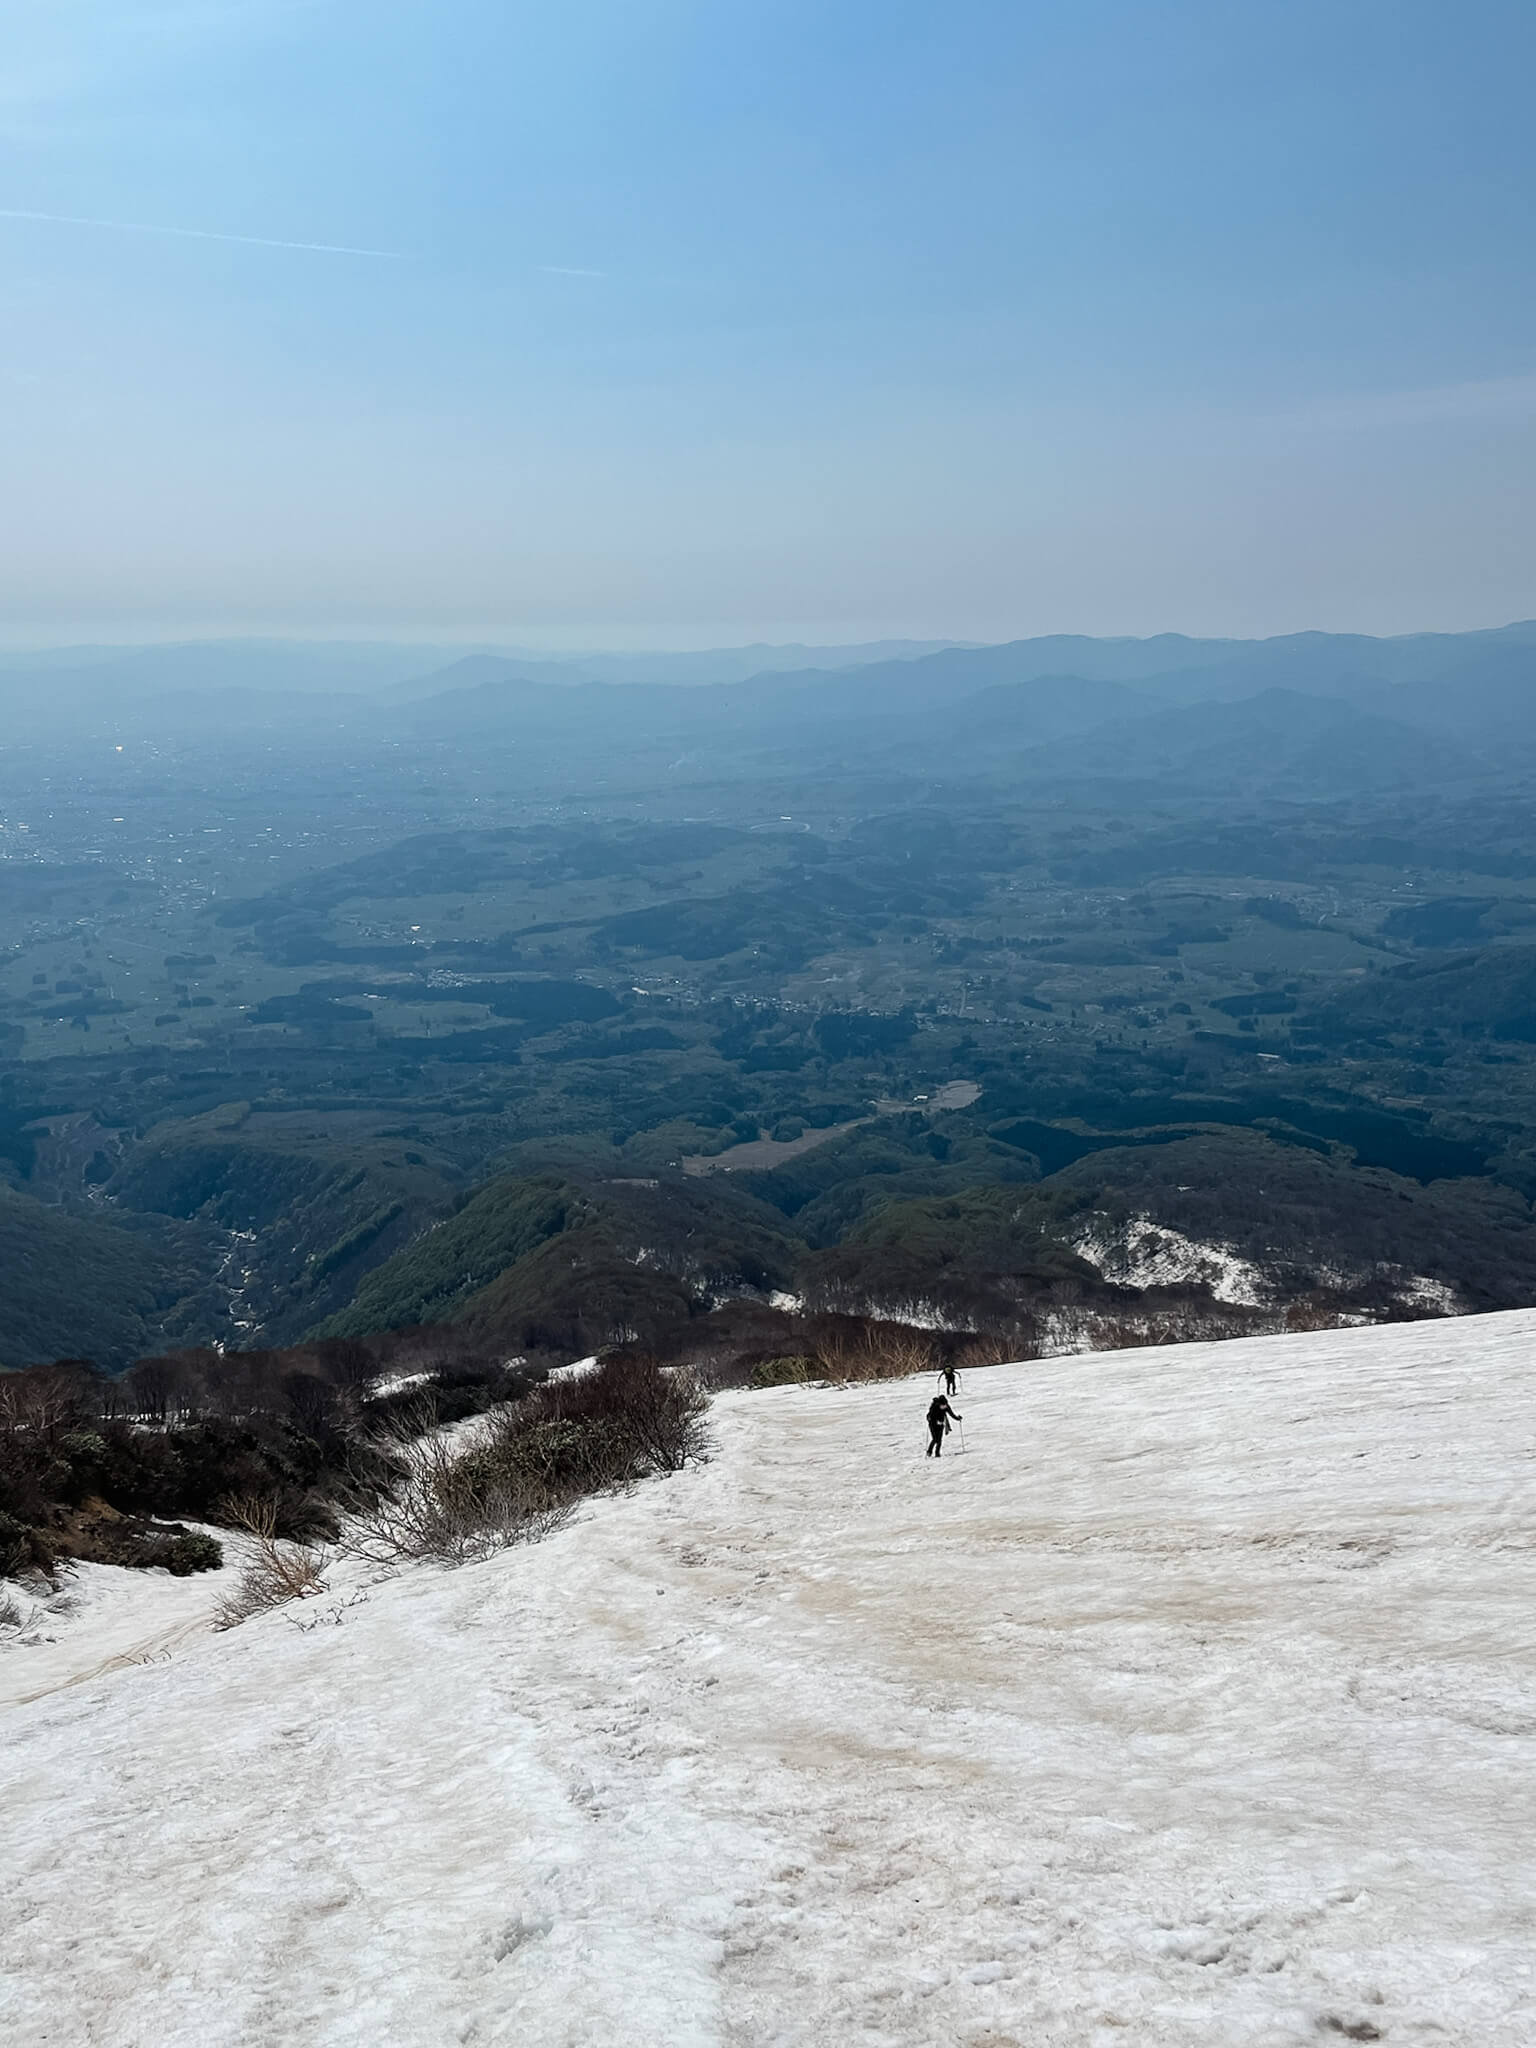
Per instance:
(1193,1707)
(102,1619)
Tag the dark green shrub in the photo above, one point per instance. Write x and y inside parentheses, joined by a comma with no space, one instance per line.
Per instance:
(184,1554)
(23,1548)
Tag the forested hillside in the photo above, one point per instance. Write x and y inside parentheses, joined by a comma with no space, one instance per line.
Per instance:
(925,988)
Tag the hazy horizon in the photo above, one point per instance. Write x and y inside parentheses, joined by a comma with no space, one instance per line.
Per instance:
(573,643)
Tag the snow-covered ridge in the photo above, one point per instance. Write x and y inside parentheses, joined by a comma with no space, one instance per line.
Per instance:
(1194,1706)
(1141,1252)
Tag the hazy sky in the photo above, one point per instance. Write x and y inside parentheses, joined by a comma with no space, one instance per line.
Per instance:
(824,318)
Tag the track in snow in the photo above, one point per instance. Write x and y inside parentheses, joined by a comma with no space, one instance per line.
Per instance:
(1194,1707)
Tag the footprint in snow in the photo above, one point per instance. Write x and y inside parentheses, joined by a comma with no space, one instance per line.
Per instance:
(519,1932)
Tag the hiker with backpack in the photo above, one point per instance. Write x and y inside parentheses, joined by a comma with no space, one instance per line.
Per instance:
(940,1415)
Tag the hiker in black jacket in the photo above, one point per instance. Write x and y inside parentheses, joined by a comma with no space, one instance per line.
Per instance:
(940,1415)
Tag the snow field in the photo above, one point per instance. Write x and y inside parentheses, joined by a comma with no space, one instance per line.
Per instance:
(103,1619)
(1194,1707)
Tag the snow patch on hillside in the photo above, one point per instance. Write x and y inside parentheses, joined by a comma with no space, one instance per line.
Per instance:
(1141,1253)
(577,1369)
(392,1383)
(918,1314)
(1432,1296)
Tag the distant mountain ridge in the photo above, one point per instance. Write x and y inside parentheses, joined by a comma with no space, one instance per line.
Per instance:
(690,670)
(1302,716)
(1176,667)
(387,668)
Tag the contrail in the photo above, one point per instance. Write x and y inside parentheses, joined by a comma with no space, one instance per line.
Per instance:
(565,270)
(139,227)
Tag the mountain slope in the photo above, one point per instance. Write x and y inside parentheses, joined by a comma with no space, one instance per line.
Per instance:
(697,669)
(1282,741)
(77,1286)
(1194,1705)
(538,1263)
(1172,666)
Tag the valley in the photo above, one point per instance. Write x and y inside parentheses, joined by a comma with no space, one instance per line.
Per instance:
(281,994)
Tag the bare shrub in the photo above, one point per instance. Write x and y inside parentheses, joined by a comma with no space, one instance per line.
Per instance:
(453,1503)
(626,1418)
(1315,1311)
(255,1513)
(892,1353)
(993,1348)
(520,1473)
(1125,1333)
(275,1572)
(1194,1322)
(659,1414)
(327,1617)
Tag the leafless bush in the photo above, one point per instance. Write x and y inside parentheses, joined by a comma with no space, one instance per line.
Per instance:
(518,1475)
(896,1353)
(327,1617)
(628,1417)
(994,1348)
(1194,1323)
(661,1413)
(1126,1333)
(453,1503)
(255,1513)
(275,1572)
(11,1615)
(1316,1311)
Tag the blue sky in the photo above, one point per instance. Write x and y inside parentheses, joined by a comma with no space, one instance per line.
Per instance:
(696,322)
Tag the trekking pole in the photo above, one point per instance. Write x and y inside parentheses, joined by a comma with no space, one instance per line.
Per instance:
(962,1435)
